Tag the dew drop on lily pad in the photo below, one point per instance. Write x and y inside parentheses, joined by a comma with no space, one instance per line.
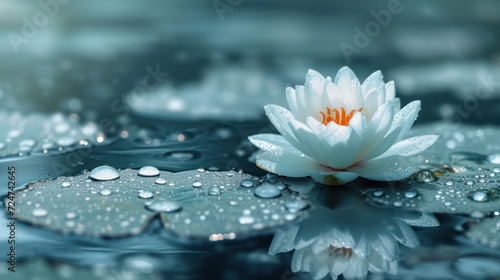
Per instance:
(267,191)
(296,205)
(160,181)
(104,173)
(146,194)
(105,192)
(214,191)
(197,184)
(149,171)
(411,193)
(246,219)
(425,176)
(65,184)
(39,212)
(167,206)
(479,196)
(247,183)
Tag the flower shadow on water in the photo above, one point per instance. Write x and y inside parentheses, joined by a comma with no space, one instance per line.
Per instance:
(344,235)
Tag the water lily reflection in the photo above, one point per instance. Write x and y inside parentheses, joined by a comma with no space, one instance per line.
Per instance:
(351,238)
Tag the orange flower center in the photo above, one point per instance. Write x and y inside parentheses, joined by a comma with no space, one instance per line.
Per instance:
(339,117)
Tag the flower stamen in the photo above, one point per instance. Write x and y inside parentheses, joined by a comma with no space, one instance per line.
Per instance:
(340,118)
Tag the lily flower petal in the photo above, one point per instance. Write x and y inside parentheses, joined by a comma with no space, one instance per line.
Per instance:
(342,130)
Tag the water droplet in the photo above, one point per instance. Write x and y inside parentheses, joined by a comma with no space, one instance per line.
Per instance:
(411,193)
(161,181)
(164,206)
(425,176)
(65,184)
(281,186)
(378,192)
(146,194)
(2,145)
(267,191)
(272,178)
(247,183)
(449,183)
(479,195)
(105,192)
(295,205)
(104,173)
(39,212)
(197,184)
(398,203)
(71,215)
(290,216)
(245,220)
(148,171)
(214,191)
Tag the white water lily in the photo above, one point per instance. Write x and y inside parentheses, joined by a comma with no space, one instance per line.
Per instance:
(337,131)
(346,241)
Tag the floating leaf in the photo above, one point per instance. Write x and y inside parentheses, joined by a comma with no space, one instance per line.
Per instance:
(462,174)
(486,232)
(465,192)
(44,133)
(197,203)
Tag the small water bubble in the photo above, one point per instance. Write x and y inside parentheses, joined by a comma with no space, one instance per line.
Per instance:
(65,184)
(449,183)
(290,216)
(479,195)
(280,185)
(247,183)
(39,212)
(425,176)
(214,191)
(160,181)
(197,184)
(105,192)
(146,194)
(411,193)
(246,220)
(148,171)
(378,192)
(272,178)
(296,205)
(398,203)
(104,173)
(29,143)
(230,174)
(71,215)
(267,191)
(164,206)
(469,183)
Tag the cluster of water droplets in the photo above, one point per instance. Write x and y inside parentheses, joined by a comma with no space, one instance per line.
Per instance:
(201,203)
(47,134)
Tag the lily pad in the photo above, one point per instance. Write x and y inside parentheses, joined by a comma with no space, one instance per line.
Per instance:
(24,134)
(196,203)
(465,192)
(460,174)
(486,232)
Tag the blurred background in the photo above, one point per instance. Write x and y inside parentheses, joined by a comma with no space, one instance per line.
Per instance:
(81,56)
